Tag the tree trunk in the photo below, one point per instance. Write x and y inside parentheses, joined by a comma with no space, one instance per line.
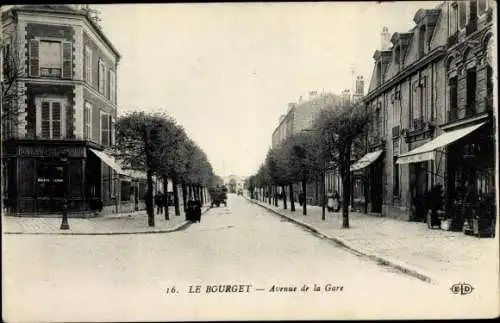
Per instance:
(184,196)
(317,192)
(176,197)
(292,202)
(149,199)
(270,194)
(346,184)
(284,196)
(202,196)
(322,199)
(304,192)
(276,195)
(165,194)
(190,191)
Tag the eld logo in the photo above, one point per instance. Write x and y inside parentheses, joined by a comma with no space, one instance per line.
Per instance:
(461,288)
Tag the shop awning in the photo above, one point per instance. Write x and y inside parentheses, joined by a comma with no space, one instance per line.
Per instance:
(366,160)
(428,150)
(108,160)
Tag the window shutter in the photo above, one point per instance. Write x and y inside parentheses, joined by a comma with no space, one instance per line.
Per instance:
(108,83)
(45,120)
(67,66)
(56,120)
(110,130)
(34,58)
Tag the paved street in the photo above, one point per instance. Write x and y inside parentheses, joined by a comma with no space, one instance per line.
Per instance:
(127,277)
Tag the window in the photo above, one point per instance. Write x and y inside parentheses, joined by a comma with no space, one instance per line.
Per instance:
(102,77)
(88,121)
(454,19)
(482,7)
(422,41)
(50,118)
(112,86)
(471,91)
(453,98)
(397,55)
(50,58)
(105,129)
(462,8)
(88,65)
(379,73)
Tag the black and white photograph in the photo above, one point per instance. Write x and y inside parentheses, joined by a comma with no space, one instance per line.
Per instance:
(249,161)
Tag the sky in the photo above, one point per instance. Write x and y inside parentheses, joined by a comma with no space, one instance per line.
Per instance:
(227,71)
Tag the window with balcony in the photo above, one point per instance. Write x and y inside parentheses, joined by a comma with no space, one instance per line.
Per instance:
(88,65)
(50,58)
(50,118)
(87,121)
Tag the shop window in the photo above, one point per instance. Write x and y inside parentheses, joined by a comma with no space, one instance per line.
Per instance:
(50,179)
(471,91)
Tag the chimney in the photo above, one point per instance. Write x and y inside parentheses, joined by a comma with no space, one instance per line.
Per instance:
(346,96)
(360,85)
(385,39)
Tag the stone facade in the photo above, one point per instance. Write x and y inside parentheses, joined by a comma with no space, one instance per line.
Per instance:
(51,106)
(410,98)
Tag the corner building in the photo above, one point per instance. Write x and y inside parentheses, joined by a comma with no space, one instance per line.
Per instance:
(66,102)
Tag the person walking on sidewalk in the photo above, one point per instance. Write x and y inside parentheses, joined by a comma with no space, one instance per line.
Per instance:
(301,198)
(159,201)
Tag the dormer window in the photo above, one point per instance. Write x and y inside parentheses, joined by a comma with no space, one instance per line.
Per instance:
(397,55)
(379,73)
(422,41)
(482,7)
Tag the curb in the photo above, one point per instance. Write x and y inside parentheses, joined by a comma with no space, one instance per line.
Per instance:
(178,227)
(387,261)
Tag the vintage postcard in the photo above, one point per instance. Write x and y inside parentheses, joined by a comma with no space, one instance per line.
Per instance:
(249,161)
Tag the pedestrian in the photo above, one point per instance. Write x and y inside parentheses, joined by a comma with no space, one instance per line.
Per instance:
(333,203)
(197,210)
(159,201)
(301,198)
(190,210)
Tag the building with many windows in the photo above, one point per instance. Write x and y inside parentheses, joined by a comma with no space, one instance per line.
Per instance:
(431,94)
(65,101)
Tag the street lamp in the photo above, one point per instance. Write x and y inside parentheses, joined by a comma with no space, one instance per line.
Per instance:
(63,158)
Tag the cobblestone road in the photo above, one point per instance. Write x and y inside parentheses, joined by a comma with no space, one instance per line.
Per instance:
(128,277)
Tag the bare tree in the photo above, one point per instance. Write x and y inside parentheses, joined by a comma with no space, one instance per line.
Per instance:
(12,71)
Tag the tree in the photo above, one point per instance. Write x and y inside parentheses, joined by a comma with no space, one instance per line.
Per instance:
(336,130)
(12,69)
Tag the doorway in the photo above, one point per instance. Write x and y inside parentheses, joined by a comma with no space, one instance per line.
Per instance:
(418,189)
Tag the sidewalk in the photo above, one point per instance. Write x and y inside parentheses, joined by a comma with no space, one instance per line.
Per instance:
(435,256)
(122,223)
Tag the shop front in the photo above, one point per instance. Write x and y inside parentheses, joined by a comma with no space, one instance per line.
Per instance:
(469,197)
(367,179)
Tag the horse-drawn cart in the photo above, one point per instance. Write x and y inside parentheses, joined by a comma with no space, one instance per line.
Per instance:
(218,195)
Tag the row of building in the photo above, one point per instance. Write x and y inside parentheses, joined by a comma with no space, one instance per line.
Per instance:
(434,122)
(62,73)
